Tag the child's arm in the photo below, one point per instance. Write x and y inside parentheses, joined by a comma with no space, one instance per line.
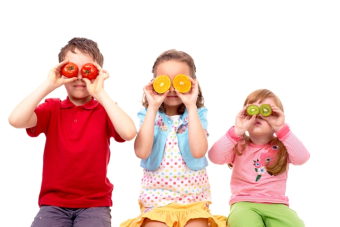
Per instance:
(297,152)
(122,123)
(223,151)
(145,136)
(198,141)
(23,116)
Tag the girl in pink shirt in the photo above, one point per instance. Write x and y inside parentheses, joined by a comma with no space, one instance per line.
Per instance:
(260,162)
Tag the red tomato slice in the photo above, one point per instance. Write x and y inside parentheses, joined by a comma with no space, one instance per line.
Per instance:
(70,70)
(89,71)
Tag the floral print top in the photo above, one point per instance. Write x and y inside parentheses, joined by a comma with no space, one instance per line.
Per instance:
(250,180)
(173,181)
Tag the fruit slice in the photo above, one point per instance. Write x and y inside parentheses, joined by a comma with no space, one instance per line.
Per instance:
(161,84)
(265,110)
(253,110)
(182,83)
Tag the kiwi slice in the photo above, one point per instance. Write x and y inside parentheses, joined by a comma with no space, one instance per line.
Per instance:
(253,110)
(265,110)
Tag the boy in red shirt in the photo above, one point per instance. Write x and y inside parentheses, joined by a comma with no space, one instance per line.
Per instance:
(75,190)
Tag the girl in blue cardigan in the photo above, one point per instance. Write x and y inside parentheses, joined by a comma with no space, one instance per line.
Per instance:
(172,143)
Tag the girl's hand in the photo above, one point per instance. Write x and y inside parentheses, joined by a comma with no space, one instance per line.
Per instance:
(154,99)
(276,119)
(190,98)
(243,121)
(97,85)
(56,79)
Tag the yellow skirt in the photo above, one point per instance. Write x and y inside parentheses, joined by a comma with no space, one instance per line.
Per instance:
(177,215)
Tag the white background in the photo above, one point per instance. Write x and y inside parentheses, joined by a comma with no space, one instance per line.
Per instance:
(289,47)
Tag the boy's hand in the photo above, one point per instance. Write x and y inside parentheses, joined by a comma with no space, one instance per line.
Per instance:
(243,121)
(190,98)
(276,119)
(97,85)
(154,99)
(56,79)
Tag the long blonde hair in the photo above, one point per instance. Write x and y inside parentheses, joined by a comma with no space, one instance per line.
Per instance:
(280,163)
(182,57)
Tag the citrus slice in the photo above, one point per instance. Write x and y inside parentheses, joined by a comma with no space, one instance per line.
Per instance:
(182,83)
(161,84)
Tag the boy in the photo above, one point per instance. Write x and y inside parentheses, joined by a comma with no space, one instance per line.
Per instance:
(75,190)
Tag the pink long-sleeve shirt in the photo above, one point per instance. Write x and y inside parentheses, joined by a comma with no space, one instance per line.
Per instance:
(250,181)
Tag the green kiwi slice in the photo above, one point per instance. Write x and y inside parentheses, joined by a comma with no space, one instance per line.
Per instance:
(253,110)
(265,110)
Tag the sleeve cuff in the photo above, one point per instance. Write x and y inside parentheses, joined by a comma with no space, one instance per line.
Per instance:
(232,136)
(283,132)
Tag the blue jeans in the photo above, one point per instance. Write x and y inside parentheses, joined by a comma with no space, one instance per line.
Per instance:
(52,216)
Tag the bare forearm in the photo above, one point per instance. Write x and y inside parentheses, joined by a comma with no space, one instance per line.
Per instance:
(198,142)
(122,122)
(144,139)
(23,115)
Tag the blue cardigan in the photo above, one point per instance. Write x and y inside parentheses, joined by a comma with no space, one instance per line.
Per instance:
(162,128)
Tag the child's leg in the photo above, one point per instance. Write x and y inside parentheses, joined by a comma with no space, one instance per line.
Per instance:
(52,216)
(277,215)
(198,222)
(94,216)
(149,223)
(244,214)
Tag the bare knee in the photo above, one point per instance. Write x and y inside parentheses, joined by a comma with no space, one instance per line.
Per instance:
(198,222)
(150,223)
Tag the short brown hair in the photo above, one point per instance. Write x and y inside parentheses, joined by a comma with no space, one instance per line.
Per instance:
(84,45)
(182,57)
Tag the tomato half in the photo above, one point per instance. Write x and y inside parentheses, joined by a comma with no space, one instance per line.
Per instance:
(70,70)
(89,71)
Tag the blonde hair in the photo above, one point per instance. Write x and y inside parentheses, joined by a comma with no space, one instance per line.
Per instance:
(280,163)
(181,56)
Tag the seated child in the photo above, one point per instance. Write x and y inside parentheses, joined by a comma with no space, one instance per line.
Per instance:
(75,190)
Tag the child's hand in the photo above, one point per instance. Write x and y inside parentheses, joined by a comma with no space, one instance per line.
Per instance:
(97,85)
(276,119)
(243,121)
(56,79)
(154,99)
(190,98)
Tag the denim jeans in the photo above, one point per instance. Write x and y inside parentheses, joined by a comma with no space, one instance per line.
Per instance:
(52,216)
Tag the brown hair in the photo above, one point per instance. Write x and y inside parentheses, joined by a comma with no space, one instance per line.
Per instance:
(280,163)
(86,46)
(182,57)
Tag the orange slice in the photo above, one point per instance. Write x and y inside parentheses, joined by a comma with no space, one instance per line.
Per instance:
(182,83)
(161,84)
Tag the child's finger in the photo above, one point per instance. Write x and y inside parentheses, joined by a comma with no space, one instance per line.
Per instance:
(87,81)
(179,94)
(193,81)
(252,119)
(97,66)
(106,74)
(100,80)
(68,80)
(61,64)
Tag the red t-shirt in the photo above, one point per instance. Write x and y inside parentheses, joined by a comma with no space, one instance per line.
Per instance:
(76,153)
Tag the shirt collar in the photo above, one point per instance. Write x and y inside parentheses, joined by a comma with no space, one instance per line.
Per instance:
(183,117)
(89,105)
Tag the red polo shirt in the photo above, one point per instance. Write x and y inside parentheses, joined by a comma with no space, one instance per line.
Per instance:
(76,153)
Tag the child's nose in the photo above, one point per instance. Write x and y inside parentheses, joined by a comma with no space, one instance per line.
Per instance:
(172,89)
(79,77)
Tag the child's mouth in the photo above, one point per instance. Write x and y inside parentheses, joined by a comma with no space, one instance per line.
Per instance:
(172,96)
(257,123)
(79,86)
